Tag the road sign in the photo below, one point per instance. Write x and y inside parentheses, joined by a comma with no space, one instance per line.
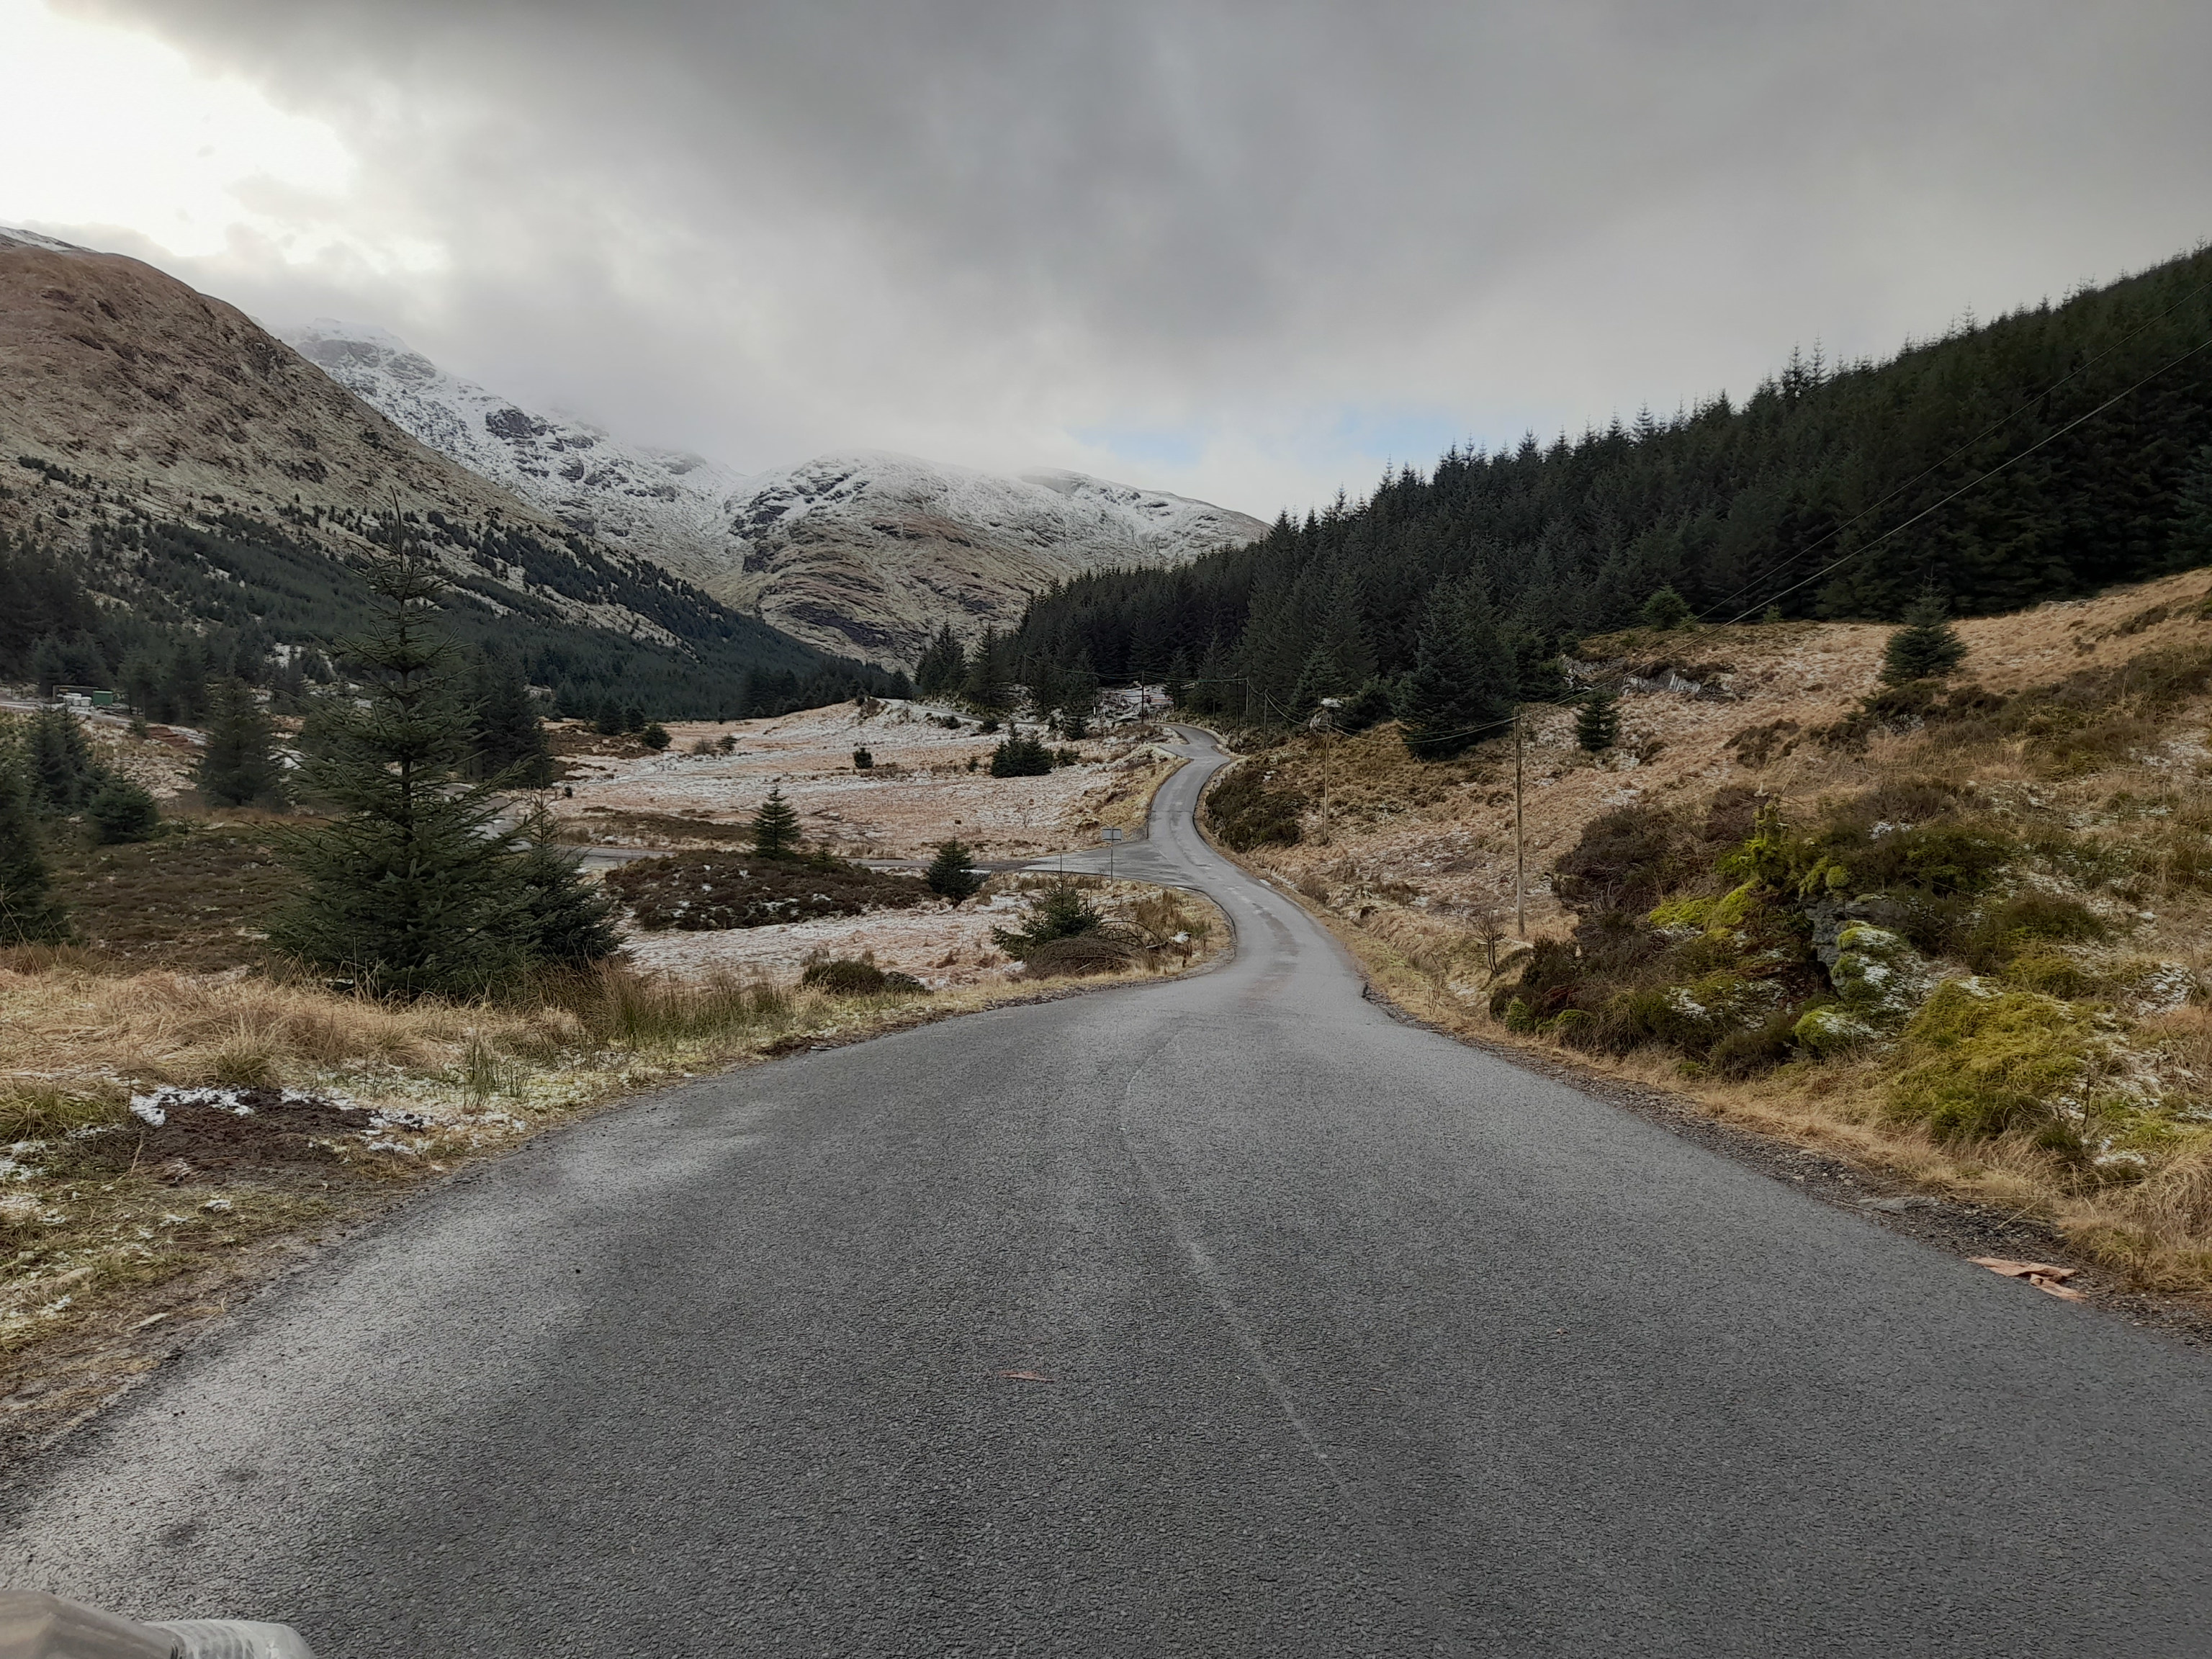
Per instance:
(1110,835)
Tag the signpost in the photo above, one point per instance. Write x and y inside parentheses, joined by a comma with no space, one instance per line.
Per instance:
(1109,836)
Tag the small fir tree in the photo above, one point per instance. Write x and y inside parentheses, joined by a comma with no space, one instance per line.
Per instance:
(1062,912)
(1926,649)
(509,736)
(654,737)
(58,771)
(951,874)
(1665,610)
(775,827)
(121,810)
(864,759)
(1020,757)
(240,766)
(28,914)
(1597,725)
(415,888)
(571,920)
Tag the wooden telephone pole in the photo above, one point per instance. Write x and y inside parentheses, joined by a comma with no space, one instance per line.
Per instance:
(1520,883)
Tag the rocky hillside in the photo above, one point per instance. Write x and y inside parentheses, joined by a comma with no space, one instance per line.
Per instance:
(161,441)
(873,552)
(864,553)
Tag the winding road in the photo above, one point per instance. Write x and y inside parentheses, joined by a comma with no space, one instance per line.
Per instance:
(1226,1317)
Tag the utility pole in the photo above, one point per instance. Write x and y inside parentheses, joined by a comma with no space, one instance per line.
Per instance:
(1520,881)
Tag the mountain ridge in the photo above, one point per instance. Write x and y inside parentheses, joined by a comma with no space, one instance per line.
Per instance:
(175,454)
(860,552)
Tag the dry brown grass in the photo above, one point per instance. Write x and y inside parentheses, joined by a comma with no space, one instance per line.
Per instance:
(1408,859)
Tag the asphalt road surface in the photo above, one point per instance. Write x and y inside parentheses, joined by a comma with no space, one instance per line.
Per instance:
(1343,1339)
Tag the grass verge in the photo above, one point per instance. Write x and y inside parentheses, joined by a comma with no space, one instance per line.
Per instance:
(123,1237)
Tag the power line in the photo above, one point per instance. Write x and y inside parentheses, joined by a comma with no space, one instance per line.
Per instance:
(2013,461)
(1930,471)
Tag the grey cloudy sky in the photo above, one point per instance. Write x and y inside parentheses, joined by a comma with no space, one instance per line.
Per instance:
(1247,251)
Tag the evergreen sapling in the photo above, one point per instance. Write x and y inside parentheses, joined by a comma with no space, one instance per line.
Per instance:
(1926,649)
(28,914)
(775,826)
(240,766)
(1597,725)
(951,874)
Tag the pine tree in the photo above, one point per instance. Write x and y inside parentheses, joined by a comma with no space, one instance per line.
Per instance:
(571,920)
(1665,610)
(1018,757)
(942,665)
(985,684)
(2188,541)
(182,693)
(239,765)
(775,826)
(1343,658)
(1457,694)
(509,737)
(415,888)
(951,874)
(59,773)
(28,914)
(1597,725)
(1926,649)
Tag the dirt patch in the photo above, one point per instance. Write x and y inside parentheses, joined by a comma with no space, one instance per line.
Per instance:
(708,892)
(222,1133)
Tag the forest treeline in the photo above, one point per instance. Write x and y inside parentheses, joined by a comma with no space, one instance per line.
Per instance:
(160,610)
(1823,494)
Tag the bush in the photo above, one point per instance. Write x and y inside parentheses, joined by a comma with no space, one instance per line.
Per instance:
(1623,860)
(654,737)
(1369,706)
(1665,610)
(708,891)
(845,977)
(1060,912)
(863,761)
(1246,813)
(2010,925)
(1076,956)
(121,810)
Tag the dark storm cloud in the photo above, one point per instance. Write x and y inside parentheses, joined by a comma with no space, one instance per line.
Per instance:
(965,227)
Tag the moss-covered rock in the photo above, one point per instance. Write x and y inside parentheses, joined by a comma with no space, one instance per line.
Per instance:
(1879,977)
(1979,1059)
(1829,1031)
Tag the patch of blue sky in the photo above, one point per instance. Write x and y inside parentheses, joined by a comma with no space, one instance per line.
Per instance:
(1161,447)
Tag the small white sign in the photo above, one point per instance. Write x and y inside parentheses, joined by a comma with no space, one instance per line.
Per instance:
(1110,835)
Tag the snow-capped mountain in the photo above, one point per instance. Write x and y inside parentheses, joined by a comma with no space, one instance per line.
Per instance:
(875,550)
(865,554)
(666,506)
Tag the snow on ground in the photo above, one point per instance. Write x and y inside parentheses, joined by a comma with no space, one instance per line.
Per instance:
(920,792)
(940,947)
